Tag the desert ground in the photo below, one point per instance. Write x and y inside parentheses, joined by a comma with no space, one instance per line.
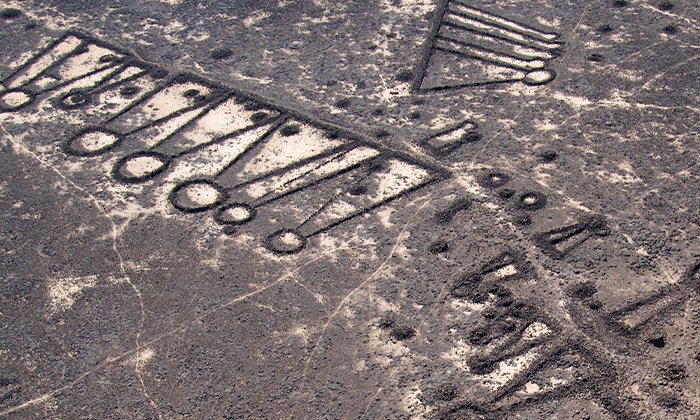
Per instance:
(319,209)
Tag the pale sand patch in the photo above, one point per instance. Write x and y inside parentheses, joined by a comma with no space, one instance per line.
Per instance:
(535,330)
(502,27)
(399,177)
(531,388)
(223,119)
(451,137)
(141,166)
(280,150)
(540,76)
(198,195)
(508,369)
(142,357)
(291,240)
(627,176)
(14,99)
(56,53)
(302,333)
(256,18)
(94,58)
(576,102)
(469,184)
(384,216)
(458,355)
(545,125)
(167,101)
(94,141)
(314,170)
(552,383)
(236,214)
(63,292)
(512,25)
(466,306)
(211,159)
(385,351)
(506,271)
(412,403)
(554,22)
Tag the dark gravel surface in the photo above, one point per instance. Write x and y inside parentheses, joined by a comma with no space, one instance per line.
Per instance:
(327,209)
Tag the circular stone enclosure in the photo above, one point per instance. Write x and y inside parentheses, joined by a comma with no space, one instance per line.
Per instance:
(285,241)
(140,167)
(92,142)
(15,99)
(197,196)
(234,214)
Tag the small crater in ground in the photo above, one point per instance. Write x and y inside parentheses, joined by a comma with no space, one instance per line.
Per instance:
(549,156)
(532,201)
(191,93)
(343,103)
(129,91)
(290,130)
(595,304)
(404,76)
(438,247)
(506,193)
(258,116)
(10,13)
(221,54)
(380,134)
(670,29)
(402,332)
(583,291)
(658,342)
(495,180)
(358,190)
